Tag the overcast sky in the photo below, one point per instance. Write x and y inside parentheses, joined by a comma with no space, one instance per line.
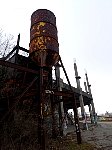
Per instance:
(85,33)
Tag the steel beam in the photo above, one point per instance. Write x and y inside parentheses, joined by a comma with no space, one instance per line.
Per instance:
(41,131)
(23,49)
(65,73)
(15,66)
(63,93)
(4,58)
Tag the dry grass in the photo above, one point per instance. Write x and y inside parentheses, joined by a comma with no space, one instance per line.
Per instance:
(69,143)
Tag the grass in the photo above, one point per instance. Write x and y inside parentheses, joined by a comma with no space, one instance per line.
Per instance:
(69,143)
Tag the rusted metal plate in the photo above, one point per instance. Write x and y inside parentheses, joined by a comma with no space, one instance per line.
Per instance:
(43,29)
(43,15)
(43,43)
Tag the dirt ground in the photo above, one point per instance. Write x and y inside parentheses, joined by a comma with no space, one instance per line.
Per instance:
(100,135)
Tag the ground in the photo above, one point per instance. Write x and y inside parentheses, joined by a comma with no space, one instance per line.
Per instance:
(97,137)
(100,135)
(68,142)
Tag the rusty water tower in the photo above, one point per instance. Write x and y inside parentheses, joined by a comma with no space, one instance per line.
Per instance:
(44,51)
(44,47)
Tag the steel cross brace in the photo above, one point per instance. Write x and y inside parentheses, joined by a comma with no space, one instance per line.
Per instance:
(15,66)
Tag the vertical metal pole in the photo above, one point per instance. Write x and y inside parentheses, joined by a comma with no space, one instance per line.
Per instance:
(17,50)
(18,40)
(16,55)
(41,136)
(85,126)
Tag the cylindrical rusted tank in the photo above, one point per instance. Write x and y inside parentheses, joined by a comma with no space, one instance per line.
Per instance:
(44,47)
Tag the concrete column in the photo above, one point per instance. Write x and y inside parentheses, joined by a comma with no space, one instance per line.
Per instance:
(80,97)
(85,87)
(90,111)
(92,103)
(60,86)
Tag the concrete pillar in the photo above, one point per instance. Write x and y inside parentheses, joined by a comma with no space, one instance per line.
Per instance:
(92,103)
(90,110)
(85,87)
(80,98)
(91,113)
(60,86)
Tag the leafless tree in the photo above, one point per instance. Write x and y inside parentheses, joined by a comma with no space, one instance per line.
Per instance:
(6,43)
(19,123)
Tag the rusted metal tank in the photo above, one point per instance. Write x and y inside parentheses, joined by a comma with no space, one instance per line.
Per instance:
(44,47)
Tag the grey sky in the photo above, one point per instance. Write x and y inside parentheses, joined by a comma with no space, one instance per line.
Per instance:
(85,33)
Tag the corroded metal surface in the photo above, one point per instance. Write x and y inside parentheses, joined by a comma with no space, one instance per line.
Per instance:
(43,15)
(43,29)
(44,47)
(43,43)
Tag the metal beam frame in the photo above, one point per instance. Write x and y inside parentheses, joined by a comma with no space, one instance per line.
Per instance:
(15,66)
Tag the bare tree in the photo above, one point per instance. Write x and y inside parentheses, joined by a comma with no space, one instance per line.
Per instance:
(6,43)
